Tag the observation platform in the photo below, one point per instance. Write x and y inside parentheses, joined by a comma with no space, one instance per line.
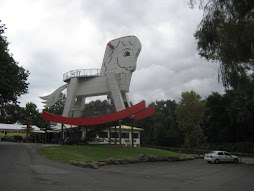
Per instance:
(81,73)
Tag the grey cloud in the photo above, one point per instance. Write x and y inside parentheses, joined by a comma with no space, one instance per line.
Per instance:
(68,35)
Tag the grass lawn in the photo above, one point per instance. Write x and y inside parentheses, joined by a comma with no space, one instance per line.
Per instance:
(13,134)
(91,153)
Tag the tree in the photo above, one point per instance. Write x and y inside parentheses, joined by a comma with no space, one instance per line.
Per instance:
(97,108)
(161,128)
(166,132)
(30,113)
(229,117)
(10,114)
(225,35)
(217,122)
(240,112)
(190,116)
(12,77)
(58,107)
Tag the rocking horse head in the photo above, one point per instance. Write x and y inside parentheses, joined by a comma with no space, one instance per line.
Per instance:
(121,55)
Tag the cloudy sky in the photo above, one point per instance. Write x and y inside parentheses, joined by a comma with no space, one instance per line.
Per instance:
(52,37)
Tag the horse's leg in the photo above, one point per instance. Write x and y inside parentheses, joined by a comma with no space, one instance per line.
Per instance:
(126,99)
(72,88)
(80,105)
(115,92)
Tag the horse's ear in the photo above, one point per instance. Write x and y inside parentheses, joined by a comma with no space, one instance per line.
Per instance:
(111,45)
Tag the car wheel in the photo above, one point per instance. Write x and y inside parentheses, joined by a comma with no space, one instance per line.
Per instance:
(217,161)
(235,161)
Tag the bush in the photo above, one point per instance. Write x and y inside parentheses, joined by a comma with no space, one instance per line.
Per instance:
(8,138)
(240,147)
(15,138)
(18,138)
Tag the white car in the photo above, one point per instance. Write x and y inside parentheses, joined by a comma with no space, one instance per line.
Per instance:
(220,156)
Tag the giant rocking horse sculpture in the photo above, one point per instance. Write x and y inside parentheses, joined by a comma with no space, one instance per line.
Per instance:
(113,80)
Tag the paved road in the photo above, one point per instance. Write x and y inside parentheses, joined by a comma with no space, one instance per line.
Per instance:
(23,168)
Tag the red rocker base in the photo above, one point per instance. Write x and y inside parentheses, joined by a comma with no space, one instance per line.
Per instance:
(139,111)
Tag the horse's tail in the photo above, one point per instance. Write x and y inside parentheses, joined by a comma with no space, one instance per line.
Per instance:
(51,99)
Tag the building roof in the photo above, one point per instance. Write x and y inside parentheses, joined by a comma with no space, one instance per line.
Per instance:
(124,127)
(16,126)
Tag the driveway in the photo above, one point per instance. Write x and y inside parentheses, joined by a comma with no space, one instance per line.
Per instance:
(23,168)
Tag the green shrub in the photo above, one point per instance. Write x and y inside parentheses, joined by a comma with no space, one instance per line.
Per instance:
(240,147)
(18,138)
(8,138)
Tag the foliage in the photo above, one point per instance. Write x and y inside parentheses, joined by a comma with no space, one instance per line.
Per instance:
(18,138)
(239,147)
(30,112)
(229,117)
(161,128)
(12,77)
(8,138)
(97,108)
(96,153)
(58,107)
(10,114)
(190,114)
(216,118)
(225,34)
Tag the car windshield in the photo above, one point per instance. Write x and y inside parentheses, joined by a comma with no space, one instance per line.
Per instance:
(212,152)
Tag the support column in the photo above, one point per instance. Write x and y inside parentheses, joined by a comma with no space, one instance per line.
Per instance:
(132,139)
(80,105)
(120,133)
(115,135)
(62,134)
(126,99)
(72,88)
(83,133)
(115,92)
(109,130)
(86,134)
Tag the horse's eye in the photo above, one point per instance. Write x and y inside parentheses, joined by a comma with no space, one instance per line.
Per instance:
(126,53)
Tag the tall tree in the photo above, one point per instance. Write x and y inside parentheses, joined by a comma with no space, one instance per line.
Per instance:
(225,35)
(10,114)
(30,113)
(229,117)
(190,116)
(12,77)
(161,128)
(217,127)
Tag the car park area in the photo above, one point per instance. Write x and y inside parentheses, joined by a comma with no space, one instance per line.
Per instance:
(23,168)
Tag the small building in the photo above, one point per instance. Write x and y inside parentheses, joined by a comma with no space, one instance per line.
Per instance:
(20,130)
(108,136)
(112,136)
(16,128)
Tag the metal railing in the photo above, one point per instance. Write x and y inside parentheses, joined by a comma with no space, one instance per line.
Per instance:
(81,73)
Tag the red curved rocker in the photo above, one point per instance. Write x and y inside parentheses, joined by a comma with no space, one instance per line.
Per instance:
(139,111)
